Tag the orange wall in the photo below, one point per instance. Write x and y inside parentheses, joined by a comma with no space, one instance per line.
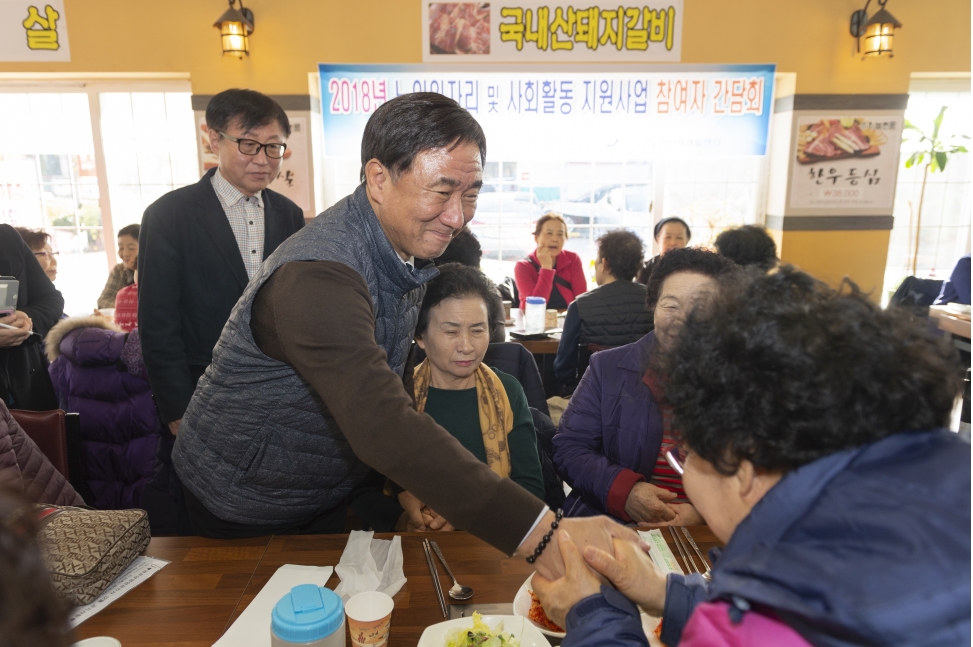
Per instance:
(833,255)
(808,38)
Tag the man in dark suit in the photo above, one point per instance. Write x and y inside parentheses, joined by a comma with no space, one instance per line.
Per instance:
(200,245)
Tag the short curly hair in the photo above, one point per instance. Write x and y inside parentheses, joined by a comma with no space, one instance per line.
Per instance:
(748,245)
(694,260)
(790,371)
(463,249)
(457,281)
(624,252)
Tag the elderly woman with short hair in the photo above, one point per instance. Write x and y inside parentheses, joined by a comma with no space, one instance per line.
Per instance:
(813,427)
(550,271)
(609,442)
(483,408)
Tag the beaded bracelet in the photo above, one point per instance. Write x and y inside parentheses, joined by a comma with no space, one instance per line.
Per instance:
(541,546)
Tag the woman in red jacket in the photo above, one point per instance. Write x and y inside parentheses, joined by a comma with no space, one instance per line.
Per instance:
(550,271)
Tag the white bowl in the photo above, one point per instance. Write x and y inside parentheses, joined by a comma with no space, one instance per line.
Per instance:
(521,628)
(98,641)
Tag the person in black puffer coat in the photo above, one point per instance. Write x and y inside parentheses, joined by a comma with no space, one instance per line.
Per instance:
(613,314)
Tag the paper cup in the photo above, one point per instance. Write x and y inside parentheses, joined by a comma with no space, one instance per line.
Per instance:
(107,313)
(550,320)
(369,618)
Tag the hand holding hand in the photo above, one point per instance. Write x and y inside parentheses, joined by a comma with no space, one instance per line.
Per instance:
(558,596)
(586,531)
(647,503)
(632,572)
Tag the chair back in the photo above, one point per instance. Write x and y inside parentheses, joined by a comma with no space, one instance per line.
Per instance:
(47,430)
(585,351)
(544,430)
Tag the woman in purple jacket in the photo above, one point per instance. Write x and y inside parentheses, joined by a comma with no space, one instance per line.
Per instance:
(98,372)
(611,437)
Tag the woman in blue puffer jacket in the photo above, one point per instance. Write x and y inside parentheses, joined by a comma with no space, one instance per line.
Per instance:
(97,371)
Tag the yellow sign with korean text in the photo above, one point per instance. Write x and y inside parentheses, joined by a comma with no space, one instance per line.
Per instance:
(33,30)
(551,32)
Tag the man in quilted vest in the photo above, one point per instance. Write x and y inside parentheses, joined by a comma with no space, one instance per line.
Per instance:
(305,393)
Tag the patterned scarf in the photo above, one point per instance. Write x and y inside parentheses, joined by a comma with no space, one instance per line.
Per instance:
(496,416)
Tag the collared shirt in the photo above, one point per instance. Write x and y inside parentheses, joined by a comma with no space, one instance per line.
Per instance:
(246,216)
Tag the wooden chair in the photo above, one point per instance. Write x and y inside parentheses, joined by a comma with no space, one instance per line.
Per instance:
(58,435)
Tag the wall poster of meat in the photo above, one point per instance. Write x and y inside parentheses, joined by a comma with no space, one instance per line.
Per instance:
(459,28)
(846,162)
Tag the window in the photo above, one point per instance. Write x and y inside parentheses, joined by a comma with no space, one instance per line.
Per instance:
(597,197)
(944,233)
(49,177)
(150,149)
(713,194)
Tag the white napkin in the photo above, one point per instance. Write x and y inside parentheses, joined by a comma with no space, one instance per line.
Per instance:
(252,628)
(370,565)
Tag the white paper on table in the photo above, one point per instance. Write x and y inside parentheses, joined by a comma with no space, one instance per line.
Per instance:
(137,572)
(252,628)
(369,564)
(661,556)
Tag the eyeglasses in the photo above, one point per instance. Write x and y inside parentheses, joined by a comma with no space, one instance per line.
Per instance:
(676,457)
(49,255)
(252,147)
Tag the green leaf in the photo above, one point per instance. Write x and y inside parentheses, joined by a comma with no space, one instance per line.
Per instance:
(937,122)
(908,125)
(959,149)
(941,159)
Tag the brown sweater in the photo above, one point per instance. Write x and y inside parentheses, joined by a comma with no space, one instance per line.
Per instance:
(330,342)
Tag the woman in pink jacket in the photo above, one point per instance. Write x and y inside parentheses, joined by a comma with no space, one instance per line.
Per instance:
(550,271)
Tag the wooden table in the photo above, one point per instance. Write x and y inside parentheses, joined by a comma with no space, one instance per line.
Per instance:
(951,322)
(189,602)
(193,600)
(546,346)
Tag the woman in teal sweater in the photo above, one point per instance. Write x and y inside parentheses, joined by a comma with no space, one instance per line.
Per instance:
(484,409)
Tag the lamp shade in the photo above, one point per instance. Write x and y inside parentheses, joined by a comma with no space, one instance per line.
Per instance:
(878,34)
(235,28)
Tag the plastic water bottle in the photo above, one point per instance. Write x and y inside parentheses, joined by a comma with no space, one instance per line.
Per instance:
(309,616)
(534,315)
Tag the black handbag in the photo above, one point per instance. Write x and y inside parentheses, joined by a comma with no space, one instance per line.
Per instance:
(24,380)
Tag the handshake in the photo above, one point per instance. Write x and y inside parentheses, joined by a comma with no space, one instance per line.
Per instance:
(586,553)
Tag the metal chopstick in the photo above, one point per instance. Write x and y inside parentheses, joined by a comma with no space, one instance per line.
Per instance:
(692,542)
(435,578)
(690,564)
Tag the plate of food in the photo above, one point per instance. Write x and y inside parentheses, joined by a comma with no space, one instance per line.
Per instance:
(483,631)
(527,605)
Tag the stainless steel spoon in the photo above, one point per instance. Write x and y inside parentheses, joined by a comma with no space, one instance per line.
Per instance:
(458,591)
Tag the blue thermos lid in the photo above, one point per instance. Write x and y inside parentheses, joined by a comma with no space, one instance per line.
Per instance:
(308,613)
(536,300)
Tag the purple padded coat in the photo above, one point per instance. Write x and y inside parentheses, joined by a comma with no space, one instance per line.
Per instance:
(97,371)
(611,425)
